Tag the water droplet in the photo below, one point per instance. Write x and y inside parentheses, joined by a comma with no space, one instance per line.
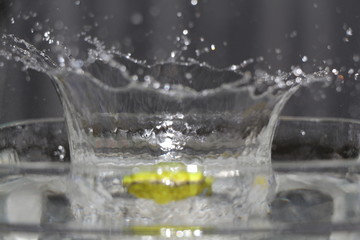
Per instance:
(61,61)
(136,18)
(349,31)
(60,152)
(194,2)
(304,59)
(188,75)
(213,47)
(303,133)
(167,87)
(47,35)
(293,34)
(156,85)
(186,41)
(134,77)
(147,79)
(185,32)
(351,71)
(357,76)
(76,64)
(12,20)
(77,2)
(173,54)
(335,71)
(179,14)
(234,67)
(38,26)
(356,57)
(315,5)
(1,64)
(297,71)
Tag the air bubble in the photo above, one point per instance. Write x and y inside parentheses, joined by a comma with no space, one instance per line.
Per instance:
(188,75)
(185,32)
(304,59)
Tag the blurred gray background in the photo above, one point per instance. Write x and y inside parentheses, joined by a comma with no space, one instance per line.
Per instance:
(306,33)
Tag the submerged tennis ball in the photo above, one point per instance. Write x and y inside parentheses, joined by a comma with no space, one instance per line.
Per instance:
(167,182)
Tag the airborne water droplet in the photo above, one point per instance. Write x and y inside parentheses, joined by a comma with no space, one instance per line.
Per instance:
(194,2)
(349,31)
(356,57)
(136,18)
(188,75)
(297,71)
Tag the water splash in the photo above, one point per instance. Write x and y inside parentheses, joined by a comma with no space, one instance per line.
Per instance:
(125,112)
(118,108)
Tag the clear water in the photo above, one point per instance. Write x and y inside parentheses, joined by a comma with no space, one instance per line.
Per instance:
(314,203)
(122,113)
